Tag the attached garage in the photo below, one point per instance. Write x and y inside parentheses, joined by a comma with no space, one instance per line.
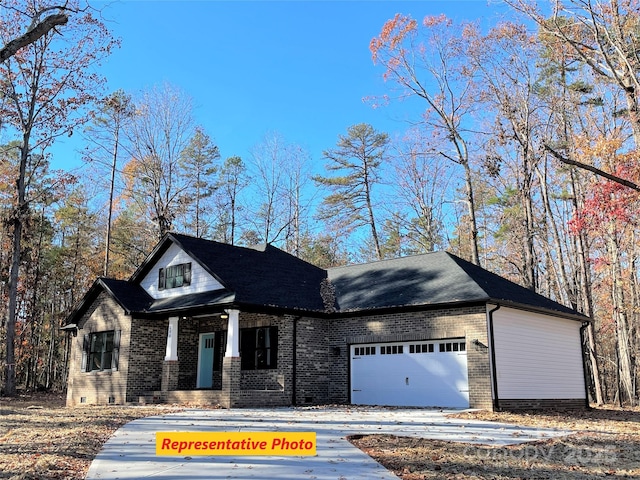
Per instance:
(410,374)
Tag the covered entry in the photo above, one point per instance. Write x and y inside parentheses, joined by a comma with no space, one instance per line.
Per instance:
(411,374)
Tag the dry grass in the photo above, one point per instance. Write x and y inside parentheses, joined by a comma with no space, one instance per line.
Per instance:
(41,439)
(606,445)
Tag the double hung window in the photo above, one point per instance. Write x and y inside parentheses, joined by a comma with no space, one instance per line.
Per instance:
(100,351)
(174,276)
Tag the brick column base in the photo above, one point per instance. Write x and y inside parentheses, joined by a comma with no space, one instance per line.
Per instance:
(231,381)
(170,370)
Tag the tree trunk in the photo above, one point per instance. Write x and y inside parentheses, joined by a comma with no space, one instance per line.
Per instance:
(587,298)
(16,254)
(623,341)
(107,241)
(471,205)
(10,366)
(372,221)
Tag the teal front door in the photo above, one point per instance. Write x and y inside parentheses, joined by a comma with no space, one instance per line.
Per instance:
(205,360)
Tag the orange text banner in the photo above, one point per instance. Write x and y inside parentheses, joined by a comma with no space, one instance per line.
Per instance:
(236,443)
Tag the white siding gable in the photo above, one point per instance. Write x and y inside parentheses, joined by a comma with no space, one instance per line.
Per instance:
(537,356)
(201,280)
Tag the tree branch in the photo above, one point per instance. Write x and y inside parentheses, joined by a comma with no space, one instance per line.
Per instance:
(591,168)
(32,35)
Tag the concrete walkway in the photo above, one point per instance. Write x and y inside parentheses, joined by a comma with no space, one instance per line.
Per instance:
(130,452)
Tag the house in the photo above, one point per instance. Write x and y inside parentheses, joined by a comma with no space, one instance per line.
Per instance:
(210,323)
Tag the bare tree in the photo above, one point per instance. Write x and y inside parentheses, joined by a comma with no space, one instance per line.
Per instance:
(104,136)
(420,182)
(156,139)
(427,63)
(603,36)
(278,179)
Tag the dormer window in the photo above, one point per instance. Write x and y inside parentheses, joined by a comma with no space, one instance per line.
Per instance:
(174,276)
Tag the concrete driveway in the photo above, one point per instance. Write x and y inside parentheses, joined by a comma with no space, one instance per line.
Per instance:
(130,452)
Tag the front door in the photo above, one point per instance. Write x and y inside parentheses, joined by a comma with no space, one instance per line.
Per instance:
(205,360)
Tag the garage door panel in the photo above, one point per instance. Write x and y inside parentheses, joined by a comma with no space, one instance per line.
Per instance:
(409,379)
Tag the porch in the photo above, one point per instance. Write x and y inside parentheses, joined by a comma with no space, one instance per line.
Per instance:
(202,365)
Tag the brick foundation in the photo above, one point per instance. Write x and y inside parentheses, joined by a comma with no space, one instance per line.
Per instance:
(170,375)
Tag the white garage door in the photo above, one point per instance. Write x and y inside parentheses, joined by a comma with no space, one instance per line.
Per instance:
(410,374)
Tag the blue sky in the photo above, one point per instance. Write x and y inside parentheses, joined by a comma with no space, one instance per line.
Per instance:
(298,68)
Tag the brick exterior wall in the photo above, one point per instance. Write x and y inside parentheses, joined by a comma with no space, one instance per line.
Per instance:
(313,361)
(280,378)
(321,354)
(148,347)
(99,386)
(469,323)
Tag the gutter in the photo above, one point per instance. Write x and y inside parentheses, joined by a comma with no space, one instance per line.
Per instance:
(494,370)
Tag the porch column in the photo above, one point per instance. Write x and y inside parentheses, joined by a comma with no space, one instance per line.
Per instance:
(172,340)
(171,366)
(231,365)
(233,334)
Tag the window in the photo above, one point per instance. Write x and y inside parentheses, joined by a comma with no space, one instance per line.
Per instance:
(358,351)
(453,347)
(174,276)
(258,348)
(421,348)
(100,351)
(391,349)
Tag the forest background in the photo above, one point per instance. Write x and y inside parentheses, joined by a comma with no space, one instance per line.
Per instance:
(519,153)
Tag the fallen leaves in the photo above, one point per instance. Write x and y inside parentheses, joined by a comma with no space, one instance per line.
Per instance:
(41,439)
(607,444)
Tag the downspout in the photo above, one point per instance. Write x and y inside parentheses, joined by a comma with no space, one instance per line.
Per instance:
(494,370)
(584,326)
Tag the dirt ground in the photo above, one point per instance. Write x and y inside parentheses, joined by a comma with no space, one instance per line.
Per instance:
(606,445)
(41,439)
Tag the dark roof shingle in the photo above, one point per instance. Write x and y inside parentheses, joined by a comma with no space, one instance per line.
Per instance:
(438,278)
(269,277)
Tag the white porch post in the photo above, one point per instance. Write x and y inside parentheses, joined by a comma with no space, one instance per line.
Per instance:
(233,334)
(172,340)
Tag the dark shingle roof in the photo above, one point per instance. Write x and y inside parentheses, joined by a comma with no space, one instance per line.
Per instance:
(438,278)
(131,296)
(260,276)
(268,277)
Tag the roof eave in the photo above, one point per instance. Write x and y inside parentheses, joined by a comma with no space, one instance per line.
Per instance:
(577,316)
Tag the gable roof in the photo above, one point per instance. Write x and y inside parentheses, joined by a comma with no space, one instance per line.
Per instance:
(131,297)
(431,279)
(267,277)
(264,275)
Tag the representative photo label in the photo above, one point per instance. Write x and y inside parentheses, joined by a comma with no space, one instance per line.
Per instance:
(236,443)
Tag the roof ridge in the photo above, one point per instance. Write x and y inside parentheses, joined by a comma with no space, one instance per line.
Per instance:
(395,259)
